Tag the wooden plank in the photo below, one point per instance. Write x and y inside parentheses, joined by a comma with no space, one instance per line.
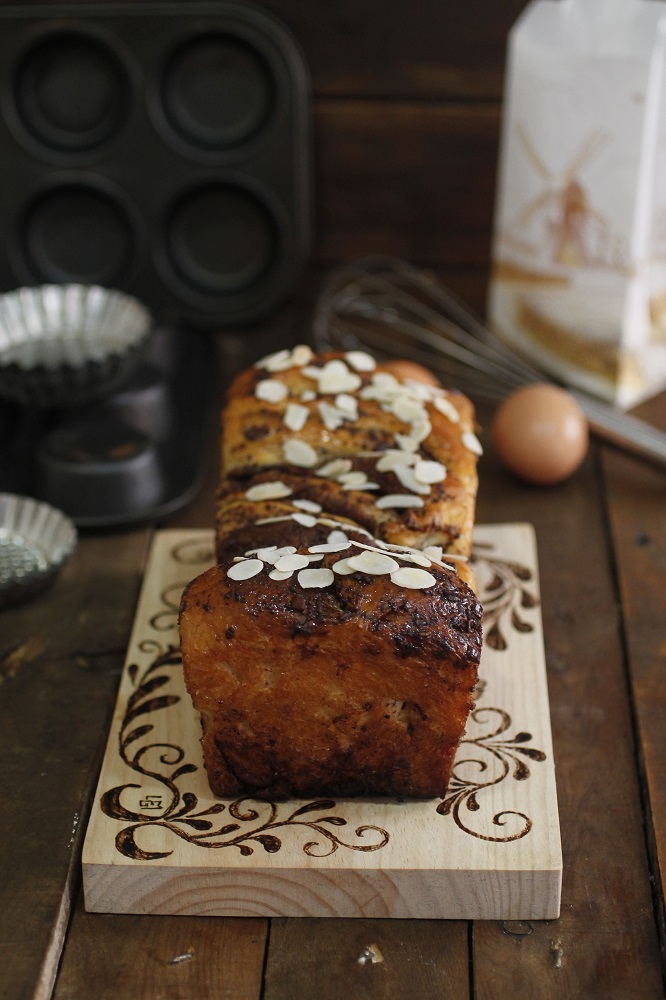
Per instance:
(391,959)
(408,179)
(127,957)
(605,942)
(60,657)
(425,49)
(638,525)
(160,842)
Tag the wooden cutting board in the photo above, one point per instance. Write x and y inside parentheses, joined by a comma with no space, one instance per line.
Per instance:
(158,841)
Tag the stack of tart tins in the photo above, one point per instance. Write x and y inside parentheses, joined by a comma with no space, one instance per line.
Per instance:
(64,345)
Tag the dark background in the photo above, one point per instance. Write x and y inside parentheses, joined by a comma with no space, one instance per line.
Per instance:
(407,107)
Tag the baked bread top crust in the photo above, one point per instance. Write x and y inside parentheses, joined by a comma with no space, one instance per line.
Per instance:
(364,663)
(395,456)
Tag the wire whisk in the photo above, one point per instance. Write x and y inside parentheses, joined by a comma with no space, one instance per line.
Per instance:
(394,310)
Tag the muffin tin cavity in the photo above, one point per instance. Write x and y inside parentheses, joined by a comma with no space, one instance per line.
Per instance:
(216,91)
(75,232)
(71,92)
(221,238)
(162,149)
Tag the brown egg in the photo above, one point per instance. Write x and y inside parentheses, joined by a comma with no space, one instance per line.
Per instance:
(540,434)
(402,368)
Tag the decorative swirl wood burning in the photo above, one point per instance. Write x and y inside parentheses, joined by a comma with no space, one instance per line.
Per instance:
(253,822)
(483,761)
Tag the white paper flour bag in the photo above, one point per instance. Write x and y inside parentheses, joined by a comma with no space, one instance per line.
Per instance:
(579,250)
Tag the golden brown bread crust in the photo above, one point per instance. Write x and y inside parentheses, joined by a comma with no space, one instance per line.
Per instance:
(357,688)
(362,683)
(253,450)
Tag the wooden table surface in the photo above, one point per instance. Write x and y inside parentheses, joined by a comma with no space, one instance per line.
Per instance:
(602,553)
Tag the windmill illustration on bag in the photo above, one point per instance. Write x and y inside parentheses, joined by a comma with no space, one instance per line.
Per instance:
(577,235)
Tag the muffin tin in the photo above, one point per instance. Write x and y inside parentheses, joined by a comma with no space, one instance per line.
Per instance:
(162,149)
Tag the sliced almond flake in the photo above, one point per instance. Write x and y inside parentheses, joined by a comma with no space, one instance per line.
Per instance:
(383,393)
(307,520)
(291,562)
(406,443)
(420,430)
(374,563)
(277,574)
(445,557)
(262,552)
(279,366)
(342,567)
(274,520)
(418,389)
(311,371)
(406,476)
(361,361)
(309,506)
(387,380)
(433,552)
(366,486)
(331,417)
(271,390)
(245,570)
(259,553)
(337,467)
(400,551)
(446,407)
(347,404)
(300,453)
(315,558)
(274,362)
(371,548)
(472,443)
(413,579)
(273,554)
(429,472)
(390,459)
(335,377)
(268,491)
(331,522)
(301,355)
(316,577)
(337,535)
(330,546)
(418,558)
(408,410)
(398,500)
(295,416)
(355,480)
(308,396)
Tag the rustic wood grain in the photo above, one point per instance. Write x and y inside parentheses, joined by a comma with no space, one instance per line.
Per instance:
(605,942)
(411,179)
(60,657)
(126,958)
(636,508)
(387,959)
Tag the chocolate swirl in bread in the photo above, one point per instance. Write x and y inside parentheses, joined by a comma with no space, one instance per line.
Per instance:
(334,648)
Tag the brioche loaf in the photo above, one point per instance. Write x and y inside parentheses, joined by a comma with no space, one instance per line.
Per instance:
(334,648)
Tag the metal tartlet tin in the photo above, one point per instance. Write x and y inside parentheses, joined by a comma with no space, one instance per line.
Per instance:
(63,345)
(35,540)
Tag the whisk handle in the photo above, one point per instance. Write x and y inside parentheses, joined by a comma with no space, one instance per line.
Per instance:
(624,431)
